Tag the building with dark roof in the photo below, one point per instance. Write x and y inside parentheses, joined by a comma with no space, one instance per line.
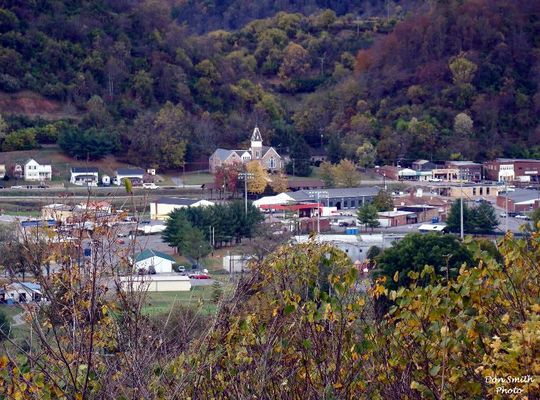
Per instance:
(154,261)
(136,175)
(341,198)
(84,176)
(520,200)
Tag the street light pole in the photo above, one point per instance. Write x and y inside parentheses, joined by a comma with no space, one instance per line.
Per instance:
(318,193)
(245,176)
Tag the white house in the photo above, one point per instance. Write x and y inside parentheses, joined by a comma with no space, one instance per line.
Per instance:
(84,176)
(162,207)
(136,175)
(34,171)
(21,292)
(156,283)
(153,260)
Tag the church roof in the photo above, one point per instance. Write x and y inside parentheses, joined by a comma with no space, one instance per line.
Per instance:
(256,135)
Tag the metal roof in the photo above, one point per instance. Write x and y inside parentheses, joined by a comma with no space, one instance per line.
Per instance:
(522,195)
(177,201)
(84,170)
(130,171)
(149,253)
(304,195)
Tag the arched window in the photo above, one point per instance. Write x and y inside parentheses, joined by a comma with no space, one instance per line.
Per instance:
(272,163)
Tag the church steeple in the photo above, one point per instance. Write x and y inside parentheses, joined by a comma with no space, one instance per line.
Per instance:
(256,144)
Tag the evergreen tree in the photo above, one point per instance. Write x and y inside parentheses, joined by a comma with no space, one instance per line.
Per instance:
(480,219)
(367,215)
(300,163)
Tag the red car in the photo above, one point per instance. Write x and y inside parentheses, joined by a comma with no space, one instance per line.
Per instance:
(199,276)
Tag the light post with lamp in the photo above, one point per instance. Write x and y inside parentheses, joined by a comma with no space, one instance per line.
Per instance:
(245,176)
(319,193)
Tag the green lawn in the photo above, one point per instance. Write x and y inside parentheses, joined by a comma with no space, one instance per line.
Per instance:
(198,178)
(161,302)
(17,332)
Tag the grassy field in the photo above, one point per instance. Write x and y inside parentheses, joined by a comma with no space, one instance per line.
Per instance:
(18,333)
(161,302)
(198,178)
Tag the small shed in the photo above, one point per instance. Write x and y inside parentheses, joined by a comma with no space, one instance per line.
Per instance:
(152,260)
(105,180)
(22,292)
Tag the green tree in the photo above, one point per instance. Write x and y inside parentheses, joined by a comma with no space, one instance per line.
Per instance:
(453,221)
(417,250)
(367,216)
(346,174)
(22,139)
(383,201)
(373,252)
(484,219)
(366,154)
(300,163)
(479,219)
(462,70)
(326,172)
(535,220)
(194,244)
(91,144)
(5,327)
(3,129)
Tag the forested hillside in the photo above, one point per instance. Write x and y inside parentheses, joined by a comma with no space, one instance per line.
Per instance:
(459,79)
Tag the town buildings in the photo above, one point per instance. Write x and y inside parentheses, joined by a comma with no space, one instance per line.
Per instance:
(509,170)
(520,200)
(267,156)
(467,170)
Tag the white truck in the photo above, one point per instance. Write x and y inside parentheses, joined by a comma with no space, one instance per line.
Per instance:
(151,229)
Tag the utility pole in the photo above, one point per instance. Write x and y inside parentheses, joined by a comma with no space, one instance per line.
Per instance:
(506,205)
(461,206)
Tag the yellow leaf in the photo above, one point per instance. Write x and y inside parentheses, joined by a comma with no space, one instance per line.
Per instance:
(337,385)
(396,276)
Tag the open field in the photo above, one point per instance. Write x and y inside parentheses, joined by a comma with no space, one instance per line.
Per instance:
(198,178)
(20,332)
(162,302)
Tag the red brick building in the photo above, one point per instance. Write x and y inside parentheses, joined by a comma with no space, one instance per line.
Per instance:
(521,200)
(508,169)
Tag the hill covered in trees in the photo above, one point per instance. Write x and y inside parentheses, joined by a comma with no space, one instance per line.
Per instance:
(433,82)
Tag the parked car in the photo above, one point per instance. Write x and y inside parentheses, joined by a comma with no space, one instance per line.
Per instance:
(199,276)
(525,217)
(151,186)
(435,180)
(503,215)
(17,187)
